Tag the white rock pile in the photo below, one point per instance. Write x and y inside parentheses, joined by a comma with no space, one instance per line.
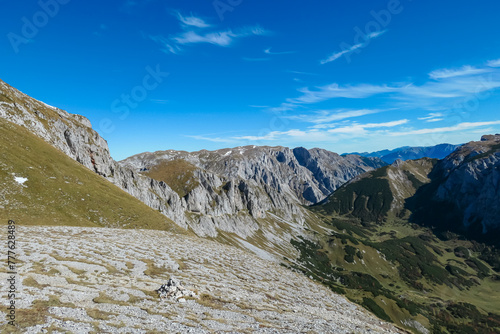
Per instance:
(174,289)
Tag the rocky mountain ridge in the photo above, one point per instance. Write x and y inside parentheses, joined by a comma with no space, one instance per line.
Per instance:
(232,195)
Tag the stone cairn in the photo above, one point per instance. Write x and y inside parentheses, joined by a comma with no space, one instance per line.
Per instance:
(174,290)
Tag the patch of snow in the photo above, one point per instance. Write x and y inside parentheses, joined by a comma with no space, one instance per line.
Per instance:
(227,153)
(20,180)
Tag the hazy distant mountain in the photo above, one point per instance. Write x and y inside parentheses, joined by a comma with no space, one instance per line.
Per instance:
(411,153)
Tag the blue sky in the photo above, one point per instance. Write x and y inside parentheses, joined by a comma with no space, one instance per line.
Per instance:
(190,75)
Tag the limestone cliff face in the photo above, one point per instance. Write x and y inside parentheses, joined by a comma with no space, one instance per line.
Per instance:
(306,176)
(232,188)
(258,180)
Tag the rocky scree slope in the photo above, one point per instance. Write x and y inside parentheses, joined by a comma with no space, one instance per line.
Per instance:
(94,280)
(226,193)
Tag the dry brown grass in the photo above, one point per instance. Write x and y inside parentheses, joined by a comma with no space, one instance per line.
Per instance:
(178,174)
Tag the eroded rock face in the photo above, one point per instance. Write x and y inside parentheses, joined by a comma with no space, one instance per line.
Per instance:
(234,187)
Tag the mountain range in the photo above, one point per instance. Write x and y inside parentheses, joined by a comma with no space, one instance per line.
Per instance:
(411,153)
(415,242)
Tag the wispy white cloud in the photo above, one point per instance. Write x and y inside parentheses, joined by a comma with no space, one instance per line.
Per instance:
(327,116)
(451,73)
(357,128)
(212,139)
(160,101)
(446,90)
(195,32)
(336,55)
(337,91)
(432,117)
(166,45)
(220,38)
(299,72)
(449,92)
(494,63)
(354,129)
(256,106)
(459,127)
(191,21)
(269,52)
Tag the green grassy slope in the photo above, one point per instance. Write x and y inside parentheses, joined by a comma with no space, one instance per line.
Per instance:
(379,194)
(402,272)
(60,191)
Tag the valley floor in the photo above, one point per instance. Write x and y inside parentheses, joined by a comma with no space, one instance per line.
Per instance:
(88,280)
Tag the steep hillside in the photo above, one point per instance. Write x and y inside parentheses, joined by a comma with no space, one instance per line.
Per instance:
(40,185)
(464,195)
(376,195)
(412,153)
